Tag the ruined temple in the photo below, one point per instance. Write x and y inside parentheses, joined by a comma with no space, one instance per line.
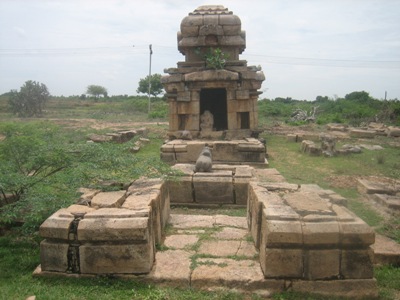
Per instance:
(212,81)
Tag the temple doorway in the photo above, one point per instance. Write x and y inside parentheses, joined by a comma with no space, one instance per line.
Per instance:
(214,100)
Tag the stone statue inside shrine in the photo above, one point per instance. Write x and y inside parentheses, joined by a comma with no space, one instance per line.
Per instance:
(207,121)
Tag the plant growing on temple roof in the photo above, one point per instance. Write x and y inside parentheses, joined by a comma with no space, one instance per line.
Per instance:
(215,59)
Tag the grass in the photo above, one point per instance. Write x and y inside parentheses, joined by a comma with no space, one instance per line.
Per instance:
(20,256)
(19,253)
(301,168)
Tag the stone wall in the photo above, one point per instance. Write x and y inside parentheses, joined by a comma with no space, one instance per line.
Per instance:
(307,234)
(117,234)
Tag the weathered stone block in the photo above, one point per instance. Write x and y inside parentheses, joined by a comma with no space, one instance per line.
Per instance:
(213,189)
(360,133)
(165,204)
(251,147)
(393,131)
(194,149)
(57,225)
(181,189)
(168,158)
(137,202)
(320,234)
(370,187)
(357,264)
(116,259)
(281,234)
(108,199)
(281,263)
(224,151)
(343,214)
(54,256)
(322,264)
(356,234)
(110,229)
(242,94)
(280,212)
(241,190)
(232,29)
(190,30)
(183,96)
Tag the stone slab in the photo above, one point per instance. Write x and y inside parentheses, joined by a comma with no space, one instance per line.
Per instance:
(357,264)
(191,221)
(321,234)
(308,203)
(223,220)
(281,263)
(229,233)
(369,187)
(242,274)
(219,248)
(54,256)
(172,268)
(112,213)
(180,241)
(108,199)
(56,226)
(391,202)
(322,264)
(386,251)
(111,230)
(181,189)
(280,186)
(213,189)
(111,259)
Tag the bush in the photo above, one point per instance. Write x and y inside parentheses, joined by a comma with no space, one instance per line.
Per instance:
(44,166)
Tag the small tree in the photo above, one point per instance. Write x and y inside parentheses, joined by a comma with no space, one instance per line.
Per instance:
(29,154)
(156,87)
(96,91)
(30,100)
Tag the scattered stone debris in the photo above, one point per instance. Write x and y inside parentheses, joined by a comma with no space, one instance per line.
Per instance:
(386,194)
(117,137)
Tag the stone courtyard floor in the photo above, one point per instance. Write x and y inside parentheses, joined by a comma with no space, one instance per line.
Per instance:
(208,252)
(214,252)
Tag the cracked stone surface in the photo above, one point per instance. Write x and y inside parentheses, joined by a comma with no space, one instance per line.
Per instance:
(180,241)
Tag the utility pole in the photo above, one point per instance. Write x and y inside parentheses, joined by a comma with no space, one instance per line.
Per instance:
(151,53)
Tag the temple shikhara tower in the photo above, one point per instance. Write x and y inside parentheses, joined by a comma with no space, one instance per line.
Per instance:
(213,94)
(212,78)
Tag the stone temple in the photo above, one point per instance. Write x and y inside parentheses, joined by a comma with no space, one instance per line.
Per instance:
(213,94)
(300,237)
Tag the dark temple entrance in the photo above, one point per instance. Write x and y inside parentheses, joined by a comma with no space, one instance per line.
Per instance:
(214,100)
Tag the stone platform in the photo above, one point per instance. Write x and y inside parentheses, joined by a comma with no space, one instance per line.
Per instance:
(298,237)
(249,151)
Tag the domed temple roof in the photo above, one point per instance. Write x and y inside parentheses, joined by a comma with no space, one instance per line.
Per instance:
(212,26)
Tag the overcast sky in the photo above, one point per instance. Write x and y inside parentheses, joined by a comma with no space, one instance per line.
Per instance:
(306,48)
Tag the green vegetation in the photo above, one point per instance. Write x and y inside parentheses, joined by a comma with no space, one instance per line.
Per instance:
(96,91)
(156,87)
(30,100)
(44,164)
(354,109)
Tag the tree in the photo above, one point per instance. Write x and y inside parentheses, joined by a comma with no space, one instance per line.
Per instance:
(361,97)
(30,100)
(96,91)
(156,87)
(29,155)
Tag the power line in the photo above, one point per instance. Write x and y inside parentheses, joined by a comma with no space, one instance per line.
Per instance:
(168,50)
